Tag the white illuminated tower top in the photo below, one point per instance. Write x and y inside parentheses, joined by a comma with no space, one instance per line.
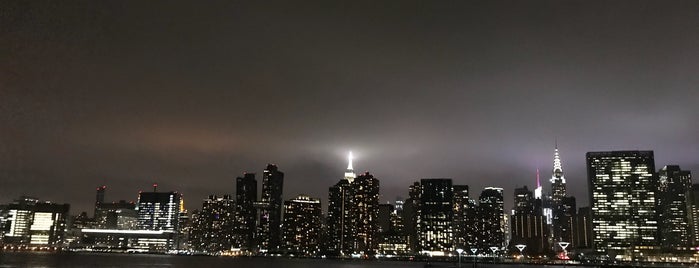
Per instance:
(557,168)
(558,181)
(537,191)
(349,173)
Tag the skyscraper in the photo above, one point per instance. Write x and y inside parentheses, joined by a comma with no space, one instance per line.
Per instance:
(462,226)
(341,218)
(528,225)
(562,206)
(673,203)
(302,226)
(583,228)
(212,227)
(558,181)
(384,219)
(491,211)
(435,216)
(622,187)
(99,199)
(694,211)
(269,233)
(353,205)
(245,197)
(409,215)
(366,201)
(27,221)
(158,211)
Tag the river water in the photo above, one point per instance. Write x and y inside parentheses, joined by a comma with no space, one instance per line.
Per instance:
(51,260)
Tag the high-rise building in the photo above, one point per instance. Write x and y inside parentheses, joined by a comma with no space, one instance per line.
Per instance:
(562,206)
(27,221)
(462,228)
(158,211)
(99,199)
(212,227)
(673,203)
(558,181)
(435,216)
(583,228)
(108,215)
(353,207)
(622,187)
(491,211)
(270,220)
(410,216)
(528,226)
(341,218)
(245,212)
(302,226)
(392,237)
(366,201)
(384,219)
(693,209)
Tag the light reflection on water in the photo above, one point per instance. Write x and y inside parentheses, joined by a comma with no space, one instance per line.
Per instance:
(50,260)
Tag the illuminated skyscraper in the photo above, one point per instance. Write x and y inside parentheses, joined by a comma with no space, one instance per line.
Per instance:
(349,173)
(340,221)
(435,217)
(353,213)
(410,216)
(558,181)
(673,203)
(212,227)
(491,211)
(366,201)
(27,221)
(268,231)
(694,212)
(528,225)
(462,222)
(158,211)
(622,187)
(245,197)
(99,199)
(302,226)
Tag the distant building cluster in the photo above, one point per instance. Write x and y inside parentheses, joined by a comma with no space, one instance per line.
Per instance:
(636,214)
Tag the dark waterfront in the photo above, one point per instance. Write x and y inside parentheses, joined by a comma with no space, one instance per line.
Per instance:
(50,260)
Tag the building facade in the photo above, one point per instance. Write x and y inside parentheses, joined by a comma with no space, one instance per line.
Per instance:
(674,208)
(491,211)
(212,227)
(435,217)
(622,188)
(528,226)
(302,226)
(245,212)
(270,216)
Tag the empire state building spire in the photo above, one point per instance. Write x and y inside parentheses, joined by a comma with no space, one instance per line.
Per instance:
(349,174)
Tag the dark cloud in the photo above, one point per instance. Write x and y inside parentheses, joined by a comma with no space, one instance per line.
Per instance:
(191,95)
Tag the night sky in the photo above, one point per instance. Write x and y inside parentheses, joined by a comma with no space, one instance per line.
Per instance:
(191,95)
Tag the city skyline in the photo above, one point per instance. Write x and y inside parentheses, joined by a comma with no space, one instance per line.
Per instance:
(581,194)
(96,94)
(636,214)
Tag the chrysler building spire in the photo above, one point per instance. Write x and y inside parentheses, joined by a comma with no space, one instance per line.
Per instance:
(558,181)
(557,168)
